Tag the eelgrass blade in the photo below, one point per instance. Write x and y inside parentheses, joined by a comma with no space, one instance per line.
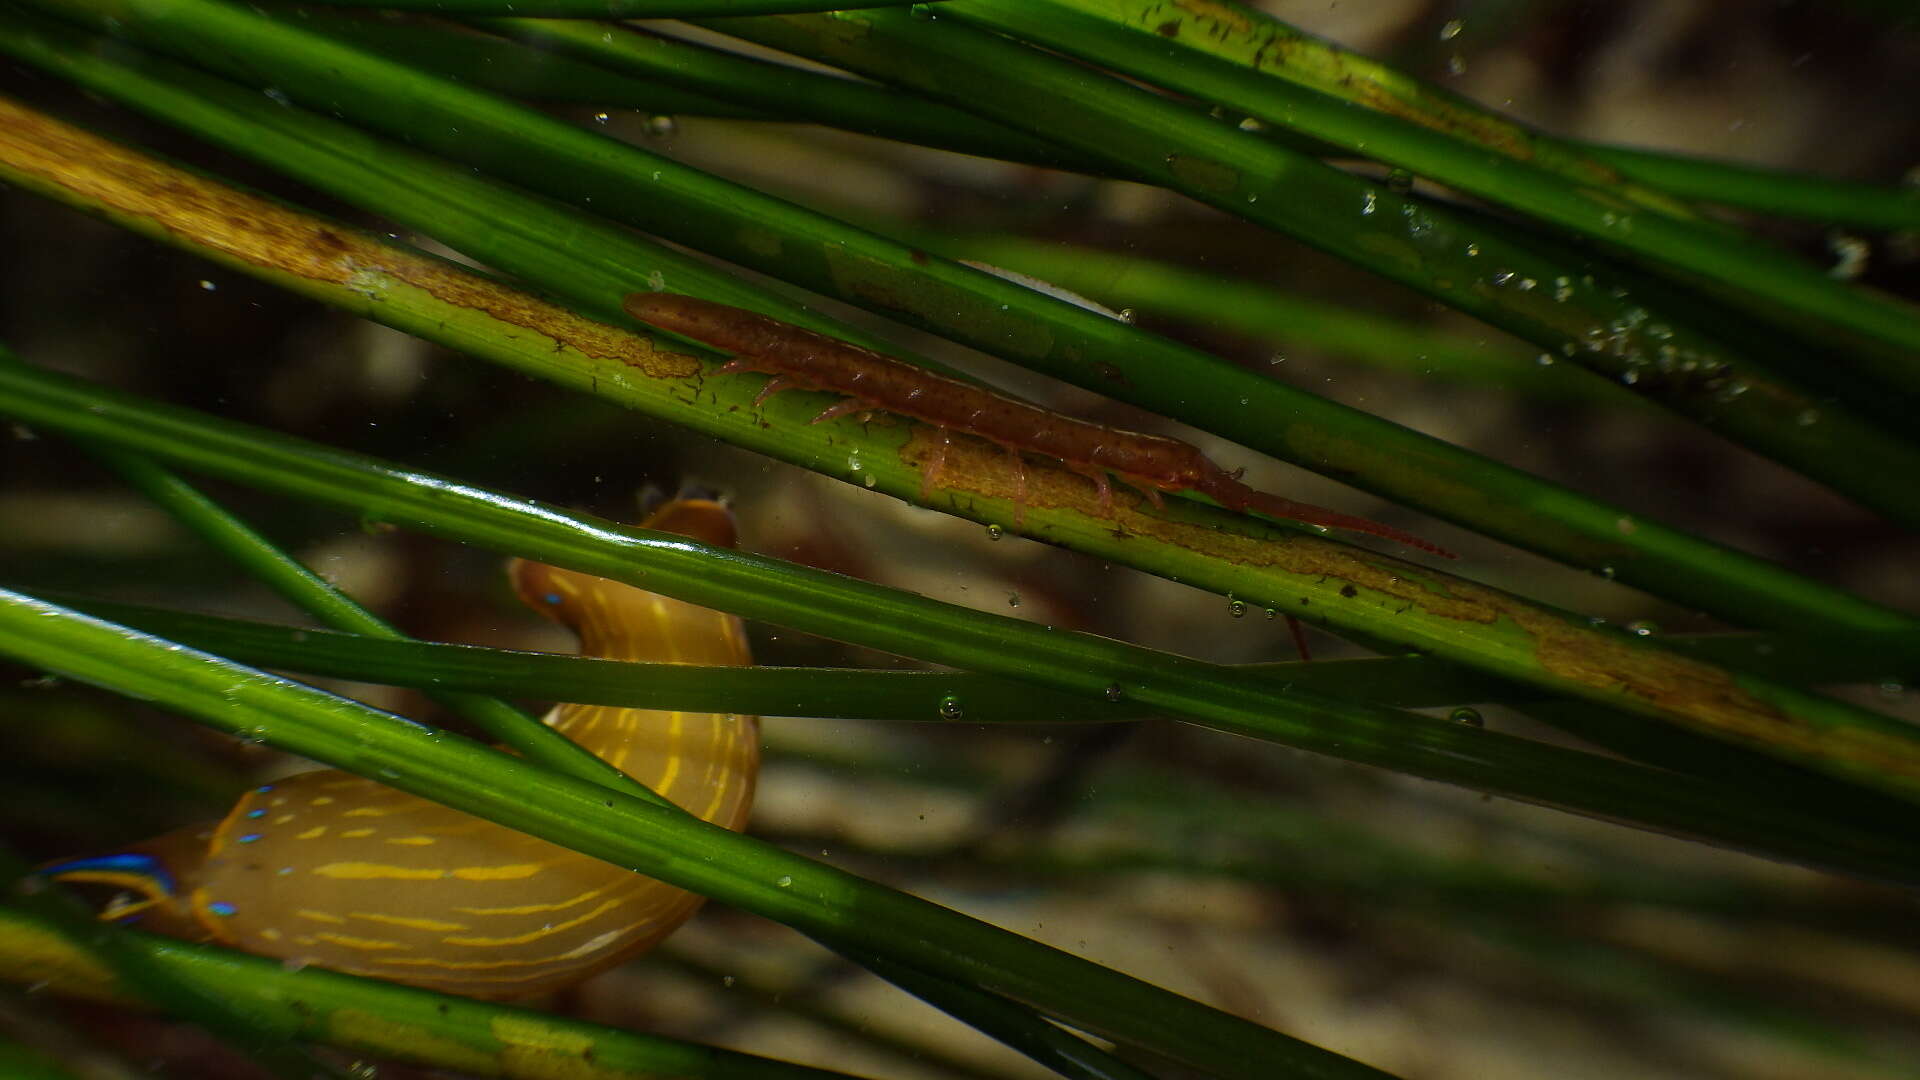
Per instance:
(594,266)
(1383,599)
(909,625)
(1061,1051)
(549,748)
(369,1016)
(1289,321)
(931,697)
(310,592)
(1648,332)
(624,9)
(1846,203)
(862,693)
(117,954)
(782,91)
(674,847)
(1766,283)
(508,67)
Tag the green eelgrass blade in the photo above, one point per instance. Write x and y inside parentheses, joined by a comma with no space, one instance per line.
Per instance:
(1287,320)
(1750,187)
(508,67)
(862,694)
(847,1021)
(533,237)
(313,594)
(550,749)
(1136,36)
(910,696)
(781,91)
(1256,42)
(546,245)
(1387,600)
(673,847)
(673,76)
(857,612)
(1052,1046)
(1648,333)
(623,9)
(120,956)
(374,1017)
(919,696)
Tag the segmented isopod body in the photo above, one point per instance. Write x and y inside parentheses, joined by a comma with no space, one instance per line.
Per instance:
(803,360)
(334,870)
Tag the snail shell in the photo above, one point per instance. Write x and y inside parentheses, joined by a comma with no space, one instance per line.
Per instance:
(332,869)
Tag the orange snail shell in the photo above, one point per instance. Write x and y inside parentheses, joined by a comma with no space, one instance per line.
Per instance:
(334,870)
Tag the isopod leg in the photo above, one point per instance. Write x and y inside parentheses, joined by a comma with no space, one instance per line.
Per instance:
(1299,638)
(774,386)
(1100,484)
(1149,489)
(841,408)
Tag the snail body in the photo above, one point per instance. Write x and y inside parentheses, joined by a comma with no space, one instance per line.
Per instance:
(332,869)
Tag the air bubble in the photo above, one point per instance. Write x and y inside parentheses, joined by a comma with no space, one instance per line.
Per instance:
(995,532)
(1468,716)
(784,881)
(951,709)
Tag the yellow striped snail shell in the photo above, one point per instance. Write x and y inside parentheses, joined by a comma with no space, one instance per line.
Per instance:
(338,871)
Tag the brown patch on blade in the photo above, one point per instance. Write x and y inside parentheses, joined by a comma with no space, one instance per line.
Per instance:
(204,215)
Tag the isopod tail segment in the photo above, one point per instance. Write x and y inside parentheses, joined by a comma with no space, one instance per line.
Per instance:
(800,359)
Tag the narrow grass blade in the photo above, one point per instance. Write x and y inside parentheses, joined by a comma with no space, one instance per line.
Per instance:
(595,266)
(1860,745)
(674,847)
(374,1017)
